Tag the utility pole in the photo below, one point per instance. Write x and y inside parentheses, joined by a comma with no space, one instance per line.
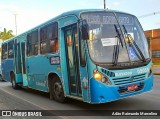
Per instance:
(104,4)
(15,18)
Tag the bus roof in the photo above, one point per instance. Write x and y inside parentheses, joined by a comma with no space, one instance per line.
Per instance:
(73,12)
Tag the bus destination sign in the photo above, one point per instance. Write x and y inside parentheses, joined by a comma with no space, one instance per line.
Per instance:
(108,19)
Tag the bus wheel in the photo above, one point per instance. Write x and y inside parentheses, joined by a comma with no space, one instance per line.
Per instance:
(1,78)
(57,89)
(13,81)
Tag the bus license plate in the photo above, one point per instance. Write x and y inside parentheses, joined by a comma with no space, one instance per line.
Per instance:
(132,87)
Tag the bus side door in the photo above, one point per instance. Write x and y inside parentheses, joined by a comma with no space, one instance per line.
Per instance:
(77,74)
(72,61)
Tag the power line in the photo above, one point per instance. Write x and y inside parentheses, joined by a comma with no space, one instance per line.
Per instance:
(150,14)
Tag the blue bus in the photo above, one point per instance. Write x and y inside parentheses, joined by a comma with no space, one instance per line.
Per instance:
(93,55)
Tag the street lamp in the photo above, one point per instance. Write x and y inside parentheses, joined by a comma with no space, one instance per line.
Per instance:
(15,17)
(104,4)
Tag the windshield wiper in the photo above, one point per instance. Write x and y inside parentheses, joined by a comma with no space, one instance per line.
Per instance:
(116,47)
(130,41)
(115,54)
(119,35)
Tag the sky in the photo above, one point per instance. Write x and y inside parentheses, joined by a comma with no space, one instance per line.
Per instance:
(30,13)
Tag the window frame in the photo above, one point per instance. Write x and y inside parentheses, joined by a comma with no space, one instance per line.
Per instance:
(31,43)
(156,54)
(82,53)
(6,55)
(11,46)
(46,38)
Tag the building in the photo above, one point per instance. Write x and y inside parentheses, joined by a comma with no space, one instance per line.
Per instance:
(153,36)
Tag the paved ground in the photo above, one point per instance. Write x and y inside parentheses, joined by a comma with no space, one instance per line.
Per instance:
(156,70)
(36,100)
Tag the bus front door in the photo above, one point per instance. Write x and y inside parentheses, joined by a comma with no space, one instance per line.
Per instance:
(72,58)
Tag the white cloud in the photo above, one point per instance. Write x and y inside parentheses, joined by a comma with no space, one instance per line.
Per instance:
(157,23)
(26,19)
(116,3)
(10,8)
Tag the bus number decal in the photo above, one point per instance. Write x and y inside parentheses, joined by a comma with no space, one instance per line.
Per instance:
(55,60)
(40,84)
(143,70)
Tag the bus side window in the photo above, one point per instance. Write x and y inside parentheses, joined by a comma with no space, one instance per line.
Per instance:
(43,38)
(49,37)
(4,51)
(32,43)
(10,49)
(54,39)
(82,53)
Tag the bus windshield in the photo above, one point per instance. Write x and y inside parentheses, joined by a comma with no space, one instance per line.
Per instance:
(115,35)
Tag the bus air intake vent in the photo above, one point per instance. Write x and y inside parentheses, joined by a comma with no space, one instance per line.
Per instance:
(108,73)
(127,80)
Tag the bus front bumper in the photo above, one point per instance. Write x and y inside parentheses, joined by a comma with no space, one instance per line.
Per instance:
(102,93)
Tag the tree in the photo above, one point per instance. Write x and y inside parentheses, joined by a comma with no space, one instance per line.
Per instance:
(6,34)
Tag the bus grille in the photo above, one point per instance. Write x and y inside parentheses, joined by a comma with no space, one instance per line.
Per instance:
(127,80)
(108,73)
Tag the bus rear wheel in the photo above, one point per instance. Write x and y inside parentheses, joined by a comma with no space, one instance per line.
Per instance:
(57,90)
(13,81)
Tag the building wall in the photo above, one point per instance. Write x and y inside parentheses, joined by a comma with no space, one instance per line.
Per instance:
(154,36)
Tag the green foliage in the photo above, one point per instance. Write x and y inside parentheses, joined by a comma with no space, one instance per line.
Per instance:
(6,34)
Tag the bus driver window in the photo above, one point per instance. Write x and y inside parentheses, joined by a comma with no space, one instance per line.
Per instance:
(54,45)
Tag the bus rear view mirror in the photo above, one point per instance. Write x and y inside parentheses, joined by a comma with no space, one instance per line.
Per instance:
(84,28)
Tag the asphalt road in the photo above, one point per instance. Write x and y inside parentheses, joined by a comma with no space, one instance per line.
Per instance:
(35,100)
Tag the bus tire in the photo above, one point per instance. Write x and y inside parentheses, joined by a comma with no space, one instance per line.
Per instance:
(57,90)
(13,81)
(1,78)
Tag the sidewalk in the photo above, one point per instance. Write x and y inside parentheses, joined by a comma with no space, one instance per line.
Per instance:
(156,69)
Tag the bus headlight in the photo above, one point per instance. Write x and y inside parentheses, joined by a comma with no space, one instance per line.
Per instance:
(100,77)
